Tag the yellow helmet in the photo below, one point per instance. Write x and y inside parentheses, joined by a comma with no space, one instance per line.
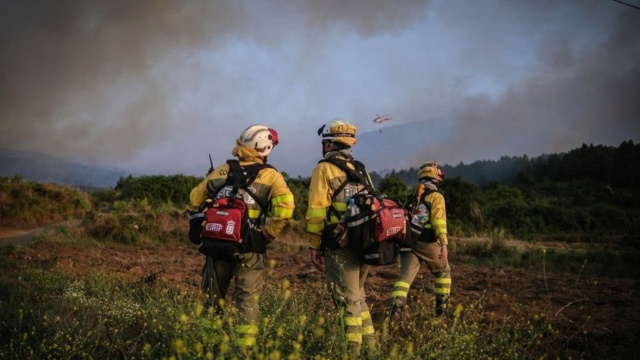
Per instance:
(430,170)
(340,131)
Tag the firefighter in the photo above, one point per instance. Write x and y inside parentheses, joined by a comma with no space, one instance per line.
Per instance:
(345,273)
(429,226)
(269,188)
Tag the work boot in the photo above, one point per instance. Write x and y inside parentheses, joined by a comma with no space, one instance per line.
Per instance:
(395,314)
(370,346)
(442,307)
(354,350)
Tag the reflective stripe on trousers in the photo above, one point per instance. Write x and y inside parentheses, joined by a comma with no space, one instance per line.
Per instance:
(427,254)
(249,280)
(345,277)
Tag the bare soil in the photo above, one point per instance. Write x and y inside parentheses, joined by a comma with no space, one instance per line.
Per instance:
(594,316)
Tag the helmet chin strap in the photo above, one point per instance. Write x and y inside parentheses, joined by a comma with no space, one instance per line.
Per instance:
(327,146)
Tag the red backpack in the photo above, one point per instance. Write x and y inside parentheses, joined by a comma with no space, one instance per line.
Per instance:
(225,226)
(385,217)
(224,219)
(375,222)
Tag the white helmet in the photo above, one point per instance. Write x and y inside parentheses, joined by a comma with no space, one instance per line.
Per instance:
(339,130)
(259,137)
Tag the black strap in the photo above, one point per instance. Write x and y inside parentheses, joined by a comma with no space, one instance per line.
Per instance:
(240,177)
(410,201)
(426,192)
(358,176)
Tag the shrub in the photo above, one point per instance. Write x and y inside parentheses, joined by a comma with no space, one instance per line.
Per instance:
(27,204)
(158,189)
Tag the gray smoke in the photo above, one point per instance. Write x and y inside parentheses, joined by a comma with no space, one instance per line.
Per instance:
(583,89)
(103,80)
(78,78)
(106,81)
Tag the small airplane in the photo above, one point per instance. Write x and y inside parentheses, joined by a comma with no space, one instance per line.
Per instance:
(380,119)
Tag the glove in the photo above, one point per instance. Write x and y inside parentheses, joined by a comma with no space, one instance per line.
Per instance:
(340,234)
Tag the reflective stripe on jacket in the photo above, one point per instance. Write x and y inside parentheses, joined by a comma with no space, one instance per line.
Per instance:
(438,216)
(325,179)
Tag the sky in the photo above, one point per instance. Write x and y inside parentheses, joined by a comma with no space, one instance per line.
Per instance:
(156,86)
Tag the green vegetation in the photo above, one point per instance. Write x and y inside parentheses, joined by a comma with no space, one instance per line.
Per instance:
(136,221)
(588,198)
(497,252)
(49,315)
(26,204)
(158,189)
(590,194)
(300,189)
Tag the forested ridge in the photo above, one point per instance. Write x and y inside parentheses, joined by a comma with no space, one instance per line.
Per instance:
(607,164)
(591,193)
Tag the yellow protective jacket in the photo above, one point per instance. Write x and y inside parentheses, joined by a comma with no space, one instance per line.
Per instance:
(325,179)
(268,187)
(437,221)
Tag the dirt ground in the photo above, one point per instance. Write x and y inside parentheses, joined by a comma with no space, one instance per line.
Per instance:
(595,315)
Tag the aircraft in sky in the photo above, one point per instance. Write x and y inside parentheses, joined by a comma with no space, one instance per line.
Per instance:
(380,119)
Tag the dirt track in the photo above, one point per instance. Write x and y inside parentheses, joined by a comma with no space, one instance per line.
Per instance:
(22,237)
(605,310)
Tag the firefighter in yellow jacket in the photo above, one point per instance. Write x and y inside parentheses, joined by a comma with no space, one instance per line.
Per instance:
(270,189)
(345,273)
(429,228)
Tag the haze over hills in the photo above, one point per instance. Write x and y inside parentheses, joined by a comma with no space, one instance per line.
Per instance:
(390,147)
(45,168)
(377,149)
(406,145)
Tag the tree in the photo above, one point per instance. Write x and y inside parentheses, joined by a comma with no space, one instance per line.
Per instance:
(393,187)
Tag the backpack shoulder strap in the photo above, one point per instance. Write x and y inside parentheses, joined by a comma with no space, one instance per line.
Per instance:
(240,177)
(413,202)
(358,175)
(428,191)
(244,175)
